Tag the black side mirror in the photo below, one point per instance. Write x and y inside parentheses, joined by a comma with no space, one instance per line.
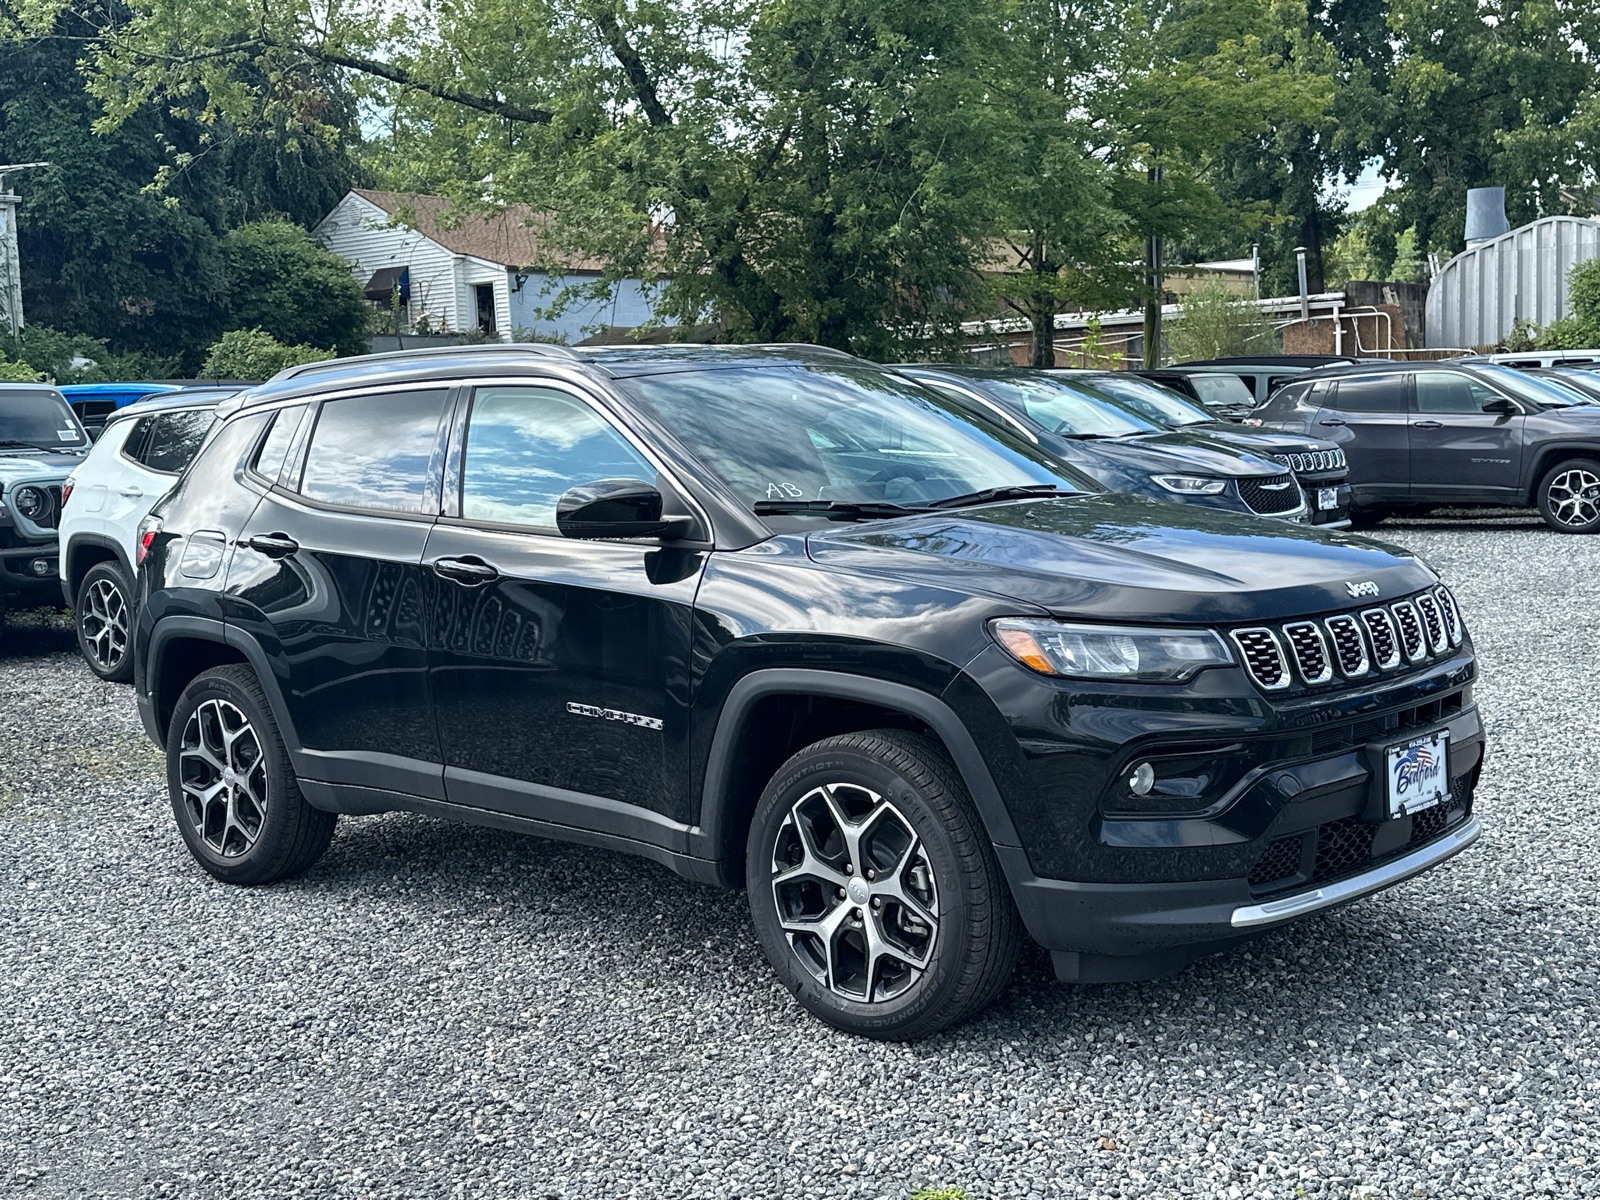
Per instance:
(611,508)
(1499,405)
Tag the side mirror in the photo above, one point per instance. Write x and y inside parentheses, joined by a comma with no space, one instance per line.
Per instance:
(611,508)
(1499,405)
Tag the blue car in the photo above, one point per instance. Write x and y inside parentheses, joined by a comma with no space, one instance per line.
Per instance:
(94,402)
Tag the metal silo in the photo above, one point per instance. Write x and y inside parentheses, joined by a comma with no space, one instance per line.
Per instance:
(1478,295)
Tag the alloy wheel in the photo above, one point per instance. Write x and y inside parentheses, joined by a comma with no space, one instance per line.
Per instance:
(1574,498)
(223,773)
(855,892)
(105,624)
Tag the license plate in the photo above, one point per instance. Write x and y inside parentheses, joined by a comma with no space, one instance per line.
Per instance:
(1419,775)
(1327,498)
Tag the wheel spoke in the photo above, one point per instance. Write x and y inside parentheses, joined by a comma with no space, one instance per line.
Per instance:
(223,775)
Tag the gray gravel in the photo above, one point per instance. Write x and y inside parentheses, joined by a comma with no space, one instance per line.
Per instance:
(442,1011)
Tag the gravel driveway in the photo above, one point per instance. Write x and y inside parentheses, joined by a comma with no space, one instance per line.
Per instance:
(439,1011)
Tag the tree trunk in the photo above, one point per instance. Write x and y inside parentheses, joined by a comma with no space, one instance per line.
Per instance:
(1155,278)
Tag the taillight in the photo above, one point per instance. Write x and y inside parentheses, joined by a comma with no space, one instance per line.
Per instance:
(66,492)
(148,528)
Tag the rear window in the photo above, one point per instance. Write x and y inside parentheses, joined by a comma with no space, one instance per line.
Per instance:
(175,438)
(375,451)
(1222,390)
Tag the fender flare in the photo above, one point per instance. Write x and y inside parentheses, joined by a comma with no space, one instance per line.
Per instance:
(926,707)
(69,555)
(1547,455)
(210,629)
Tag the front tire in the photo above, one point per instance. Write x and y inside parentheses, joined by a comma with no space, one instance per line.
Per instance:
(1366,518)
(875,890)
(233,789)
(1569,496)
(103,617)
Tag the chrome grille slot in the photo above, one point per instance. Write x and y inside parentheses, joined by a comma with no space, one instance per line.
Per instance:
(1263,658)
(1433,623)
(1386,651)
(1349,647)
(1452,614)
(1310,652)
(1412,639)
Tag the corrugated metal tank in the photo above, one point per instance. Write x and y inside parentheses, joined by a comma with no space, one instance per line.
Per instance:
(1480,293)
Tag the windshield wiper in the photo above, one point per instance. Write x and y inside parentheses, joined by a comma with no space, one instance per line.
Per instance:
(36,446)
(833,509)
(1013,491)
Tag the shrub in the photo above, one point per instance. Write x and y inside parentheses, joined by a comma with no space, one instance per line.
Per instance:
(285,284)
(79,358)
(255,354)
(16,372)
(1581,330)
(1215,323)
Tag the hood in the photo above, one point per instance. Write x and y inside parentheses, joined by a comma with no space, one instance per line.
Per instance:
(19,465)
(1128,558)
(1264,441)
(1178,452)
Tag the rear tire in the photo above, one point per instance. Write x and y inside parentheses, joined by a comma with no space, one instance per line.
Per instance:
(233,789)
(920,933)
(1569,496)
(103,617)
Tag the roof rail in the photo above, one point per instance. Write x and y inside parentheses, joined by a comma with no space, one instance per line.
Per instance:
(330,364)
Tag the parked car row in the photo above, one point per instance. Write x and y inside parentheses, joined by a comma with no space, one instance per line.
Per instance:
(872,644)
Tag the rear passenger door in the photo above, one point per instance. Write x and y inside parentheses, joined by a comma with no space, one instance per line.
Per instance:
(1368,416)
(327,578)
(1459,451)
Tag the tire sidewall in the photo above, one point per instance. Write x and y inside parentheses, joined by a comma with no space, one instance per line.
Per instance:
(258,864)
(842,765)
(1587,464)
(105,570)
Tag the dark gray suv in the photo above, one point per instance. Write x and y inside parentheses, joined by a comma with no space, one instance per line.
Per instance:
(1419,435)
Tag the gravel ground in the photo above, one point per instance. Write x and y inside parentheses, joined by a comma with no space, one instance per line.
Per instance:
(442,1011)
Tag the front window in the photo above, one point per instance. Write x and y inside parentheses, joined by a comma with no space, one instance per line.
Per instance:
(1149,400)
(39,420)
(851,435)
(1543,391)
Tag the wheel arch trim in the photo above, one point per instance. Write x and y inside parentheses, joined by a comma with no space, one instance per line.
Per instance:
(1548,455)
(926,707)
(210,629)
(72,577)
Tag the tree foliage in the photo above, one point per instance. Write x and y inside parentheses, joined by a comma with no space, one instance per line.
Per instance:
(1581,329)
(255,354)
(284,283)
(1214,323)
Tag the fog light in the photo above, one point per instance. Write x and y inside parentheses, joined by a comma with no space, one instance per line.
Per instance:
(43,567)
(1142,779)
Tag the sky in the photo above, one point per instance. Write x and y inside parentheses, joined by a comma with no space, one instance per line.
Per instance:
(1365,191)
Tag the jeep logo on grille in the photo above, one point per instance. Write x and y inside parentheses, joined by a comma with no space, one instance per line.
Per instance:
(1365,588)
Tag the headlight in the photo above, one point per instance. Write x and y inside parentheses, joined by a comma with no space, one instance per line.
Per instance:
(31,502)
(1192,485)
(1110,651)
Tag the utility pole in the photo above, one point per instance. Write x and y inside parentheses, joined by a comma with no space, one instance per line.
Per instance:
(10,259)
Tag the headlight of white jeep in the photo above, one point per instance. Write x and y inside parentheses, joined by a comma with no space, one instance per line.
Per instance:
(1128,652)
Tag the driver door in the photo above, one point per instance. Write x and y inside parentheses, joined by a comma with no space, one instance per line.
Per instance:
(1459,451)
(560,667)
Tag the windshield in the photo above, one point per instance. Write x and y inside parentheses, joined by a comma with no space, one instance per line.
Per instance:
(1587,382)
(38,418)
(1227,390)
(1061,407)
(842,434)
(1545,392)
(1148,400)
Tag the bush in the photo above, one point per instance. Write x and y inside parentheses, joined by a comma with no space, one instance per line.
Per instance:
(290,287)
(1215,323)
(79,358)
(1581,330)
(15,372)
(255,354)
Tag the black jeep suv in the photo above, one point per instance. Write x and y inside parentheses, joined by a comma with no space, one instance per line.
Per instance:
(781,619)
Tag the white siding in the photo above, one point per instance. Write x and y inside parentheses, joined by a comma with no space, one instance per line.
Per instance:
(1480,293)
(358,231)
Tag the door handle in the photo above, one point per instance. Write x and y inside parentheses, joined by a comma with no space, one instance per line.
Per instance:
(1331,421)
(1427,424)
(471,572)
(130,493)
(274,545)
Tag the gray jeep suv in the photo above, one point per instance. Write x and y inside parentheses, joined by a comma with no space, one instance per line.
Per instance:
(40,442)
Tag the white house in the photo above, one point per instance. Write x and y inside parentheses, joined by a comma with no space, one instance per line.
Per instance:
(475,273)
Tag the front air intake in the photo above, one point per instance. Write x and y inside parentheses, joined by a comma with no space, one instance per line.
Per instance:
(1310,652)
(1263,658)
(1270,495)
(1349,647)
(1386,652)
(1412,640)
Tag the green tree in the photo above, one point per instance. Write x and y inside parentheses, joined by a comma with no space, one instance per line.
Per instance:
(1214,322)
(1580,330)
(284,283)
(255,354)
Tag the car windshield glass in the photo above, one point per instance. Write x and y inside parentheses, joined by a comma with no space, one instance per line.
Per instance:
(1545,392)
(1063,407)
(842,434)
(1149,400)
(1587,382)
(37,419)
(1220,389)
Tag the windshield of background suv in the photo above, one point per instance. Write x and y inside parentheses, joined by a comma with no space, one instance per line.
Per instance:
(842,434)
(1228,390)
(1545,392)
(38,419)
(1063,407)
(1149,400)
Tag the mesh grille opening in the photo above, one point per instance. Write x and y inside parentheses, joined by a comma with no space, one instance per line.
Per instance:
(1452,614)
(1385,642)
(1433,623)
(1348,646)
(1410,627)
(1281,860)
(1271,494)
(1342,846)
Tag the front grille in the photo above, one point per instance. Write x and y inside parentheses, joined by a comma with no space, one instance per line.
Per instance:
(1352,645)
(1312,461)
(1310,652)
(1342,846)
(1270,494)
(1349,647)
(1263,658)
(1281,860)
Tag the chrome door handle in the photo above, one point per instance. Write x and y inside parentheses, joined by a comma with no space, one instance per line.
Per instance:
(130,493)
(1332,421)
(1427,424)
(274,545)
(468,571)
